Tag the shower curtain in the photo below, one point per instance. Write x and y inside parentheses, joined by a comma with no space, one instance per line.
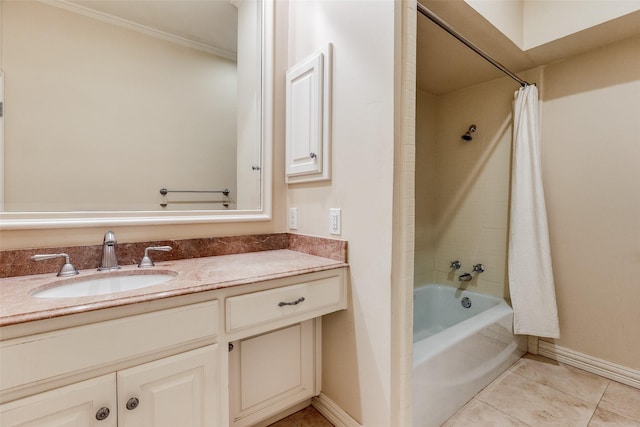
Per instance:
(529,261)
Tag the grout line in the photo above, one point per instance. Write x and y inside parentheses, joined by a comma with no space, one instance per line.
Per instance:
(506,413)
(570,368)
(599,401)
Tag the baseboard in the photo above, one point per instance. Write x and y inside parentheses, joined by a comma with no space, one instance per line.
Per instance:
(612,371)
(332,412)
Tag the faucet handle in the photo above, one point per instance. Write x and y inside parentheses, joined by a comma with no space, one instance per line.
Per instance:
(455,265)
(67,268)
(478,268)
(146,260)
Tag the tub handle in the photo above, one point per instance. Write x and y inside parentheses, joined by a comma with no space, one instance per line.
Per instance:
(296,302)
(455,265)
(478,268)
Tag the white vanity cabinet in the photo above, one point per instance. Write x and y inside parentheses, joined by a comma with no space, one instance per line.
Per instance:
(271,372)
(174,391)
(180,390)
(165,363)
(74,405)
(132,351)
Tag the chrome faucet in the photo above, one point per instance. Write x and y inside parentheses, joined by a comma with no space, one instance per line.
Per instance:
(67,268)
(146,259)
(466,277)
(478,268)
(109,259)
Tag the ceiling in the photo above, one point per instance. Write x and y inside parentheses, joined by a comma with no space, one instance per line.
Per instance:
(444,64)
(210,22)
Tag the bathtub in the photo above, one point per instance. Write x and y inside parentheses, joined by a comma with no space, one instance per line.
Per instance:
(457,351)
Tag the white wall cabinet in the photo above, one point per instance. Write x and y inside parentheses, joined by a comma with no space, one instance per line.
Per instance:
(308,118)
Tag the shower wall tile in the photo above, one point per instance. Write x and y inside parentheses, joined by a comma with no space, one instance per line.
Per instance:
(469,185)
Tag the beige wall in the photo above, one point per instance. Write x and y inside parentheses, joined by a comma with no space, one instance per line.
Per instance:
(356,352)
(545,21)
(462,188)
(100,117)
(590,154)
(532,23)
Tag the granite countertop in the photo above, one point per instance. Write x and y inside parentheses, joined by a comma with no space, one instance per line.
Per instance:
(17,305)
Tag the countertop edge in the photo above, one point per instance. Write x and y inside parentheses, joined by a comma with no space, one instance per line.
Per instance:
(129,299)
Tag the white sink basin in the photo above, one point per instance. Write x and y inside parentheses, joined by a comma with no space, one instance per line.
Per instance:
(103,285)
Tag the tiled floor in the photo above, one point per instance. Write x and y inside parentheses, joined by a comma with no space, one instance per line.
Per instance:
(308,417)
(537,391)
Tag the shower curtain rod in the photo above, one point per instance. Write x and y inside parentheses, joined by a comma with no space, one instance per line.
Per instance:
(442,24)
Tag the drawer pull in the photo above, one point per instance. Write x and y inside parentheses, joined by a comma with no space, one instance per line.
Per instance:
(296,302)
(102,413)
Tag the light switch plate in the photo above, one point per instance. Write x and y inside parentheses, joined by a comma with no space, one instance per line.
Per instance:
(335,221)
(293,218)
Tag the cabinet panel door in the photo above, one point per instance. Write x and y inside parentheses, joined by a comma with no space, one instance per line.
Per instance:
(75,405)
(304,90)
(180,390)
(271,372)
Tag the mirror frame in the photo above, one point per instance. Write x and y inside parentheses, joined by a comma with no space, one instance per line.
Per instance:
(72,219)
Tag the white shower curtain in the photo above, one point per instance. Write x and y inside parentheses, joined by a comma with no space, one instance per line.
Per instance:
(530,273)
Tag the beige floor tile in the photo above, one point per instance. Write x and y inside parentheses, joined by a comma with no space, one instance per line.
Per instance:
(283,423)
(535,403)
(479,414)
(622,399)
(309,417)
(603,418)
(578,383)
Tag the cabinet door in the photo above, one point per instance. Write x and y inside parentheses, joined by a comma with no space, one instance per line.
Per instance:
(308,118)
(271,372)
(90,403)
(180,390)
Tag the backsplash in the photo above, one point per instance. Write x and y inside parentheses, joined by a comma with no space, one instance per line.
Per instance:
(19,263)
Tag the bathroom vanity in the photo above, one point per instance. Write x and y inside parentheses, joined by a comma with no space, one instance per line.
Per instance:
(230,340)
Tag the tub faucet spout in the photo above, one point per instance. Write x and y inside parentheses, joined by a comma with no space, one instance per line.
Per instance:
(466,277)
(109,258)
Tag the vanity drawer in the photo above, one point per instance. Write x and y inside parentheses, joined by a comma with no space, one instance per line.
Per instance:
(63,352)
(286,305)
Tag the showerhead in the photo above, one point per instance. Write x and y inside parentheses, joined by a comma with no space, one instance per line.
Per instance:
(467,136)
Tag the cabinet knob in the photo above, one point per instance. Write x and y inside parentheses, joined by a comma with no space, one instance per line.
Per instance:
(313,155)
(132,403)
(102,413)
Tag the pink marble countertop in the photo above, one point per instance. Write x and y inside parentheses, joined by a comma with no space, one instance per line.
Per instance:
(17,305)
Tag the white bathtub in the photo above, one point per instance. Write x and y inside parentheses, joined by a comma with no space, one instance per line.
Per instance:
(457,351)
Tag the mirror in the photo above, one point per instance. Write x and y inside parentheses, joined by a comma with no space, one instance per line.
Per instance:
(106,103)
